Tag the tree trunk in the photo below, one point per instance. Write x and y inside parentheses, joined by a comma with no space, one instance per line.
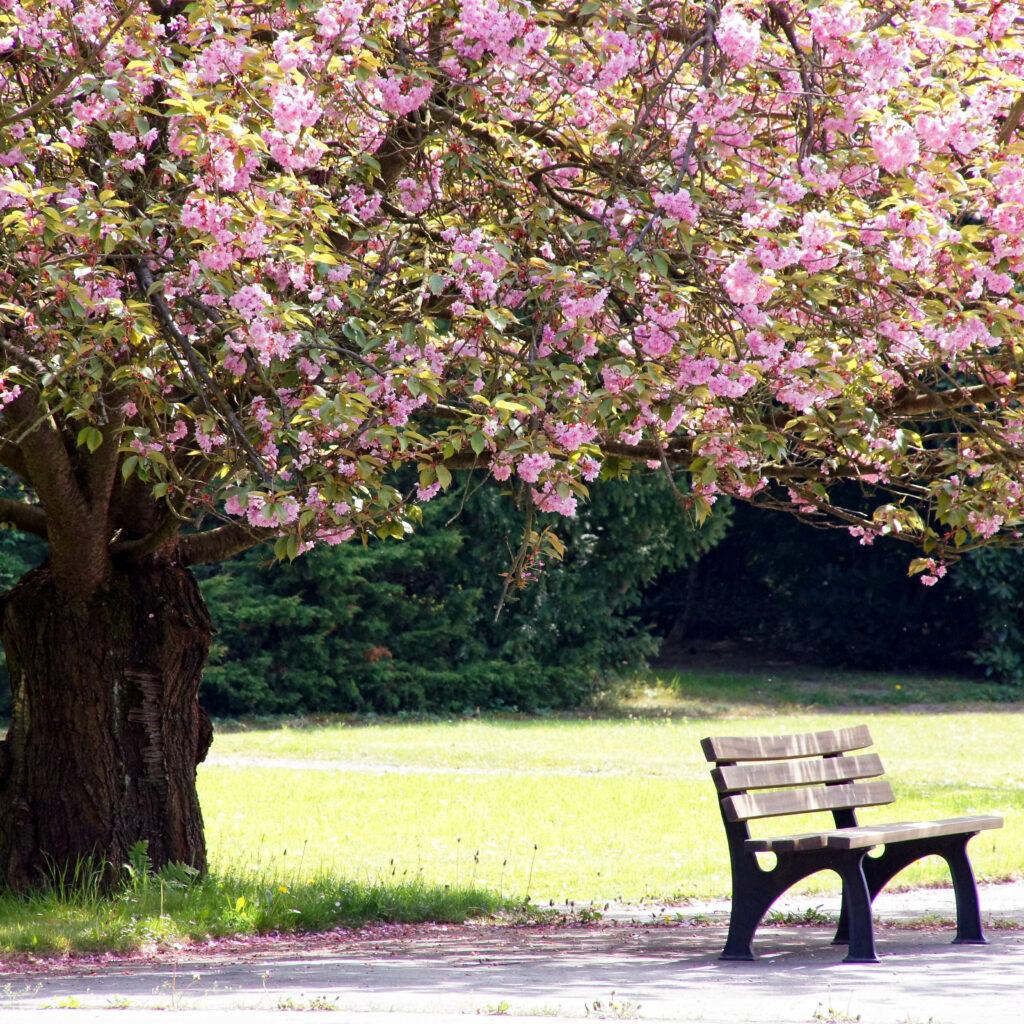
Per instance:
(106,728)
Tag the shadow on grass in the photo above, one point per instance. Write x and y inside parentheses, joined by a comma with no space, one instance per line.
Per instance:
(716,693)
(703,692)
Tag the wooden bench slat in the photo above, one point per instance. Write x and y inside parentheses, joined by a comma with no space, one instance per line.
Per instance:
(771,774)
(776,748)
(873,835)
(745,806)
(876,835)
(788,844)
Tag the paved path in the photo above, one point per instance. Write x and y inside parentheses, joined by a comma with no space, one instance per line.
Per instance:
(437,975)
(1001,903)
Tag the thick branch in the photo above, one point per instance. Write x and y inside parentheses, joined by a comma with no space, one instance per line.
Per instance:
(12,459)
(220,543)
(30,518)
(101,465)
(138,547)
(941,401)
(78,542)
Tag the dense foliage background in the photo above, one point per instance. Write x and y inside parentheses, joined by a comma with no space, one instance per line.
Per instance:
(411,626)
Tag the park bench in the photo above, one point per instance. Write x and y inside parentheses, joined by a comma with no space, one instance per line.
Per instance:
(765,776)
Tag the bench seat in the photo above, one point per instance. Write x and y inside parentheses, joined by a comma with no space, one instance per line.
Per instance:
(873,835)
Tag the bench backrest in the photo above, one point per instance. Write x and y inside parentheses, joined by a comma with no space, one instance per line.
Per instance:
(765,776)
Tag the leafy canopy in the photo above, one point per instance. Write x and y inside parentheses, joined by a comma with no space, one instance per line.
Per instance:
(268,253)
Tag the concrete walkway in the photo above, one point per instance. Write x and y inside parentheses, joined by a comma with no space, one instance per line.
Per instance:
(669,972)
(1002,904)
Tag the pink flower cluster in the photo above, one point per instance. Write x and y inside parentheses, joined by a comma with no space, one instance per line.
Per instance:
(294,107)
(895,145)
(582,307)
(744,285)
(400,94)
(739,37)
(678,204)
(338,22)
(532,466)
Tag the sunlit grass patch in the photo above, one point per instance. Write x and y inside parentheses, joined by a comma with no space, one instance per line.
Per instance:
(616,806)
(171,906)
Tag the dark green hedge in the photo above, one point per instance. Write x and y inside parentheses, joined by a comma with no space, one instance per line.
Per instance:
(784,589)
(410,626)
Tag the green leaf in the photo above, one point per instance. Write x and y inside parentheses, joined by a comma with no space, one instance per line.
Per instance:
(498,320)
(90,437)
(444,476)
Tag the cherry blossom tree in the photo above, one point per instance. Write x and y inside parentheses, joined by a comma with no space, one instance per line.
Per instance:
(259,257)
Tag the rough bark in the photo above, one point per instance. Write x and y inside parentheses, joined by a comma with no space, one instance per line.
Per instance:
(106,727)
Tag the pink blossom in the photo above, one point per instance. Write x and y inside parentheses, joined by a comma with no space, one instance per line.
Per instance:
(548,499)
(730,387)
(489,27)
(90,20)
(571,435)
(694,372)
(293,108)
(739,38)
(743,284)
(895,146)
(654,341)
(339,21)
(122,141)
(400,96)
(531,466)
(678,205)
(833,23)
(583,308)
(413,195)
(501,468)
(250,300)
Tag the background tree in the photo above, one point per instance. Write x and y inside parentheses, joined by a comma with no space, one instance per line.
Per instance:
(412,626)
(258,257)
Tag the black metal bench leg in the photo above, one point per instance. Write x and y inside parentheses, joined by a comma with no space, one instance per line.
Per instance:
(968,913)
(858,904)
(744,918)
(842,935)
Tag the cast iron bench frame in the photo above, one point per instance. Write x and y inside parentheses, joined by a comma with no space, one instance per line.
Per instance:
(765,776)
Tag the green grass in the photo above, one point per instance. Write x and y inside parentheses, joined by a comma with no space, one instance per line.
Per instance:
(154,910)
(312,824)
(612,807)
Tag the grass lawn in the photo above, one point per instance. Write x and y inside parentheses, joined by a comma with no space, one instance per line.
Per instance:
(315,824)
(612,807)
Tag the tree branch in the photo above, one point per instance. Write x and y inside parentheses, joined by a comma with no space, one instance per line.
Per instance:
(46,459)
(942,401)
(201,379)
(101,465)
(221,542)
(12,459)
(26,517)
